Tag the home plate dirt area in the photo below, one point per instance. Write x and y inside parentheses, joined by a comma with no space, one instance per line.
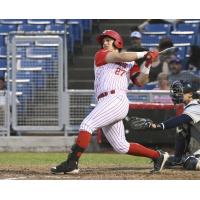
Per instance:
(120,172)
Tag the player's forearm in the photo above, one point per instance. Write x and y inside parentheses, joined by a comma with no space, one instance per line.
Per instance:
(176,121)
(124,56)
(143,76)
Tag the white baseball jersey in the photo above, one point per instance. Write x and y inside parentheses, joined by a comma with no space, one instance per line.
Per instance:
(111,76)
(112,108)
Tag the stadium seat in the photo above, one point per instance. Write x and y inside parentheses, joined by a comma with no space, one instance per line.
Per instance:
(3,63)
(181,52)
(151,39)
(87,29)
(20,51)
(183,38)
(39,65)
(31,28)
(150,46)
(40,21)
(40,52)
(55,27)
(61,29)
(37,77)
(188,27)
(138,97)
(29,63)
(5,29)
(40,79)
(162,28)
(87,25)
(3,52)
(47,65)
(150,86)
(26,89)
(191,21)
(13,21)
(3,66)
(187,52)
(2,40)
(70,41)
(23,44)
(198,39)
(75,27)
(2,73)
(47,51)
(60,21)
(23,74)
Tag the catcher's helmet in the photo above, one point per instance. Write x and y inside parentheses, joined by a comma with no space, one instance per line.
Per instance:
(112,34)
(178,88)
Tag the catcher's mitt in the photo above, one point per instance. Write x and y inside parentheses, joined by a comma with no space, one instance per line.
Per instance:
(137,123)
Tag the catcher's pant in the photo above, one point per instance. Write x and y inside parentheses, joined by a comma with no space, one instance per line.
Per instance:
(108,115)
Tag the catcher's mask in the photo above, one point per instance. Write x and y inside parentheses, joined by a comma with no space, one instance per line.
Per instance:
(178,88)
(112,34)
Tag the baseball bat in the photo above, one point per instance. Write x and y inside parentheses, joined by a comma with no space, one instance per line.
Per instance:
(168,51)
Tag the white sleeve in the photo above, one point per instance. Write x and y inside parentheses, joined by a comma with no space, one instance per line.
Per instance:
(193,112)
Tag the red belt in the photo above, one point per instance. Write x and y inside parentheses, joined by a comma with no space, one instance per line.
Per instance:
(105,94)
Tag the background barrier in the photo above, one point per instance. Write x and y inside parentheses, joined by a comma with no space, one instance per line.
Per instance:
(157,112)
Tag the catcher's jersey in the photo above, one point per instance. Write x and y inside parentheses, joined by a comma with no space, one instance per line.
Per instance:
(193,110)
(111,76)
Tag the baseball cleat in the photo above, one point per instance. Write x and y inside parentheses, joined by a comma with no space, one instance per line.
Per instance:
(66,167)
(160,161)
(173,161)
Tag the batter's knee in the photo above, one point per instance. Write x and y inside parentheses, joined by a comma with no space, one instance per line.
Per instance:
(87,126)
(121,148)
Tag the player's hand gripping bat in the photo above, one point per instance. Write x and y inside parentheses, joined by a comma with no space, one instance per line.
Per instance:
(152,55)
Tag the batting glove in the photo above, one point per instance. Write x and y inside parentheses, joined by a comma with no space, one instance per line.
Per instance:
(152,55)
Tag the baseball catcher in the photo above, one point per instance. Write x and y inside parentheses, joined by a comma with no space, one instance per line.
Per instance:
(180,92)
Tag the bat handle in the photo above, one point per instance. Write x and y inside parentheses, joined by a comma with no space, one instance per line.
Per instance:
(148,57)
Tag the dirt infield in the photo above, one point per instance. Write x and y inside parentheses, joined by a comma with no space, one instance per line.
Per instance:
(102,172)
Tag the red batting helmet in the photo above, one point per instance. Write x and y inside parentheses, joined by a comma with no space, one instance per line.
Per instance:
(114,35)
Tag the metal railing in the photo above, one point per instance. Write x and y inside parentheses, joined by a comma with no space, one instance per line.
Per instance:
(36,72)
(79,104)
(4,114)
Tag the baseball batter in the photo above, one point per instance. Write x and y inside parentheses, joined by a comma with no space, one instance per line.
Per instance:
(113,70)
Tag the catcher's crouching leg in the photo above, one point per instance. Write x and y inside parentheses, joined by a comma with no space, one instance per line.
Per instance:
(181,144)
(191,163)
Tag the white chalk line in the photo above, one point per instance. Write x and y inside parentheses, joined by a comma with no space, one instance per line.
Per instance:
(16,178)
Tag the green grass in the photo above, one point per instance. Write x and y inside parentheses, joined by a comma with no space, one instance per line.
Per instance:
(8,158)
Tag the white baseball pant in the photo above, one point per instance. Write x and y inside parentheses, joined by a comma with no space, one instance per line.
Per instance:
(108,115)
